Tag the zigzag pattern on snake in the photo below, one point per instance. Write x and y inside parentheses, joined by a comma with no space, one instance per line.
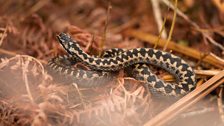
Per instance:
(139,59)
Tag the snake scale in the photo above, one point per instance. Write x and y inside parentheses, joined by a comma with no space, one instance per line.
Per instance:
(115,59)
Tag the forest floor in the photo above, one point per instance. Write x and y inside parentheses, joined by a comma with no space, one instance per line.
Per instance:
(30,95)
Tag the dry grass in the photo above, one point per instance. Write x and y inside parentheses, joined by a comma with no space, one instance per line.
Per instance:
(29,95)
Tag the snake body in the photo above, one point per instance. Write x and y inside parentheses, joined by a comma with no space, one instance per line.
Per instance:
(138,59)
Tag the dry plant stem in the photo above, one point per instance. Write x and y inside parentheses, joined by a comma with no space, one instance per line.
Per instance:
(187,101)
(207,72)
(168,78)
(89,44)
(218,58)
(199,83)
(80,95)
(172,26)
(29,58)
(181,14)
(27,86)
(219,4)
(163,27)
(152,39)
(11,53)
(220,104)
(24,71)
(3,35)
(105,28)
(158,18)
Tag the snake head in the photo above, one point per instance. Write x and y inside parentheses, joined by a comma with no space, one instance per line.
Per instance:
(68,43)
(64,38)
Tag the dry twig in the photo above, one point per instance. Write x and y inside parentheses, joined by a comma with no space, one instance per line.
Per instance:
(220,103)
(158,18)
(106,27)
(3,35)
(172,27)
(206,35)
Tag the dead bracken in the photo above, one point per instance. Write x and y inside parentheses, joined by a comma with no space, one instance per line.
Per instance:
(31,95)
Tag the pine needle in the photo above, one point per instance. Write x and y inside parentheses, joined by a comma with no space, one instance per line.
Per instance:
(172,26)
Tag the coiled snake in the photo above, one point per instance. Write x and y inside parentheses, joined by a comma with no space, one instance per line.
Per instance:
(115,59)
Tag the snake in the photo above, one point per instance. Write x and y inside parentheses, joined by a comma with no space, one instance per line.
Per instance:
(64,66)
(138,59)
